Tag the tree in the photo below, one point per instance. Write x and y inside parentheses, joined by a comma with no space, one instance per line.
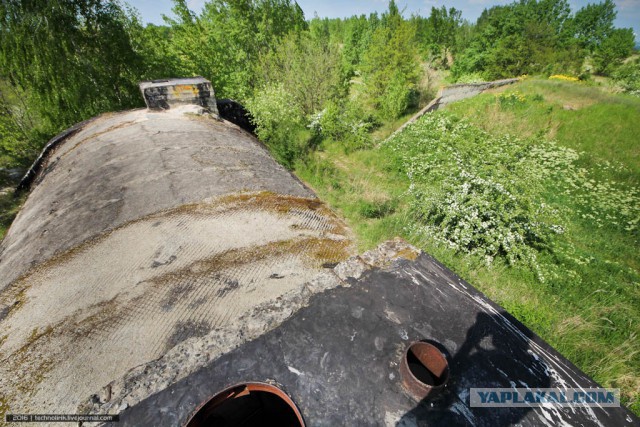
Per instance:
(69,59)
(594,23)
(628,76)
(442,29)
(308,67)
(153,43)
(226,40)
(531,36)
(612,50)
(390,67)
(277,118)
(358,32)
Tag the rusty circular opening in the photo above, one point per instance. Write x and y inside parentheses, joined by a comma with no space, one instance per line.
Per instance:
(424,369)
(252,404)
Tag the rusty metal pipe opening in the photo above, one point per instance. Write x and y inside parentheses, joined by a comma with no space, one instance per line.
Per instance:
(252,404)
(424,369)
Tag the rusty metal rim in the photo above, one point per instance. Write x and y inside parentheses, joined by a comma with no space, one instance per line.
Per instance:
(413,385)
(244,389)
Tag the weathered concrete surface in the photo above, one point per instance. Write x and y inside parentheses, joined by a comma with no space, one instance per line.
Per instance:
(338,356)
(195,353)
(123,166)
(169,93)
(457,92)
(144,230)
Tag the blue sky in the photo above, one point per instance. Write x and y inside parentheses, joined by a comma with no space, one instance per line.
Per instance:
(628,10)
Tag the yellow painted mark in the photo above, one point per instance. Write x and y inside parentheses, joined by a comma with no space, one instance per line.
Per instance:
(185,90)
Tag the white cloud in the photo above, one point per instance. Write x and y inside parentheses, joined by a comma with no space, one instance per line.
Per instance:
(628,4)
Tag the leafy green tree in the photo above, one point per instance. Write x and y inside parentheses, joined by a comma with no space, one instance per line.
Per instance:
(71,59)
(226,40)
(14,143)
(628,76)
(531,36)
(616,47)
(594,23)
(357,36)
(278,119)
(321,29)
(390,67)
(441,30)
(152,43)
(498,35)
(392,14)
(309,68)
(554,14)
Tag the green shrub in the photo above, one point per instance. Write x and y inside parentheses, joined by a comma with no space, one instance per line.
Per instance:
(397,97)
(376,209)
(308,67)
(344,123)
(490,195)
(476,193)
(11,142)
(611,52)
(390,67)
(628,77)
(278,121)
(18,146)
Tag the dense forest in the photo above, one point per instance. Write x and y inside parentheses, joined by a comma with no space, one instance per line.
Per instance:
(63,61)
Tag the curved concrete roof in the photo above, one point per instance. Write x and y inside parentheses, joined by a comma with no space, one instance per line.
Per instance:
(123,166)
(143,230)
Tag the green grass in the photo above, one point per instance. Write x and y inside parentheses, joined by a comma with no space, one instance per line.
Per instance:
(355,184)
(589,305)
(389,126)
(604,126)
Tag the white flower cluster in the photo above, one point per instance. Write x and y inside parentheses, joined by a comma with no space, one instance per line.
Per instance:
(488,196)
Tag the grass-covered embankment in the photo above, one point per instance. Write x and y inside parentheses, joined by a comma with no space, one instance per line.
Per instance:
(548,230)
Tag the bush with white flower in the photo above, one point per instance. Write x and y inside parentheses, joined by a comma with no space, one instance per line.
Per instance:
(486,195)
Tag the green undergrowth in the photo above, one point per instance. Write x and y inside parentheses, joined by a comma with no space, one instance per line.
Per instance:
(545,223)
(9,205)
(602,126)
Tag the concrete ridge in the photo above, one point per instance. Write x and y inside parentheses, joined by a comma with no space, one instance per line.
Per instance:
(452,93)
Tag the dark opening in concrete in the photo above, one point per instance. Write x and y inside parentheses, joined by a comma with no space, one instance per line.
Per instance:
(424,369)
(253,404)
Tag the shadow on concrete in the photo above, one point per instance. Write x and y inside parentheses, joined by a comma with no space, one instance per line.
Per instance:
(491,356)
